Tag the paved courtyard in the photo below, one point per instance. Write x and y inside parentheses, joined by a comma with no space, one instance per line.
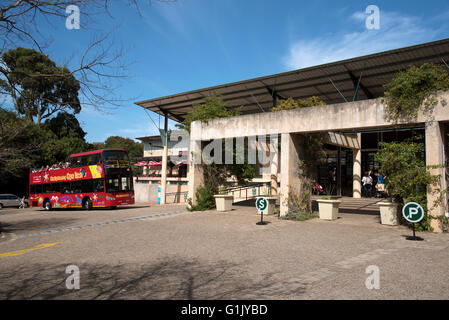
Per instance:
(143,252)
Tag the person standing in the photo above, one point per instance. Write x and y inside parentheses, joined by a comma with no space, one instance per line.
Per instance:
(367,184)
(373,176)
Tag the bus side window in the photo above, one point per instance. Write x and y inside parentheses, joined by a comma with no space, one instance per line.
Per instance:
(87,186)
(56,187)
(65,187)
(83,161)
(75,162)
(46,188)
(99,185)
(96,158)
(75,186)
(36,189)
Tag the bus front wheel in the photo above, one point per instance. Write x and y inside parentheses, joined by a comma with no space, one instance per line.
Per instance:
(87,204)
(47,205)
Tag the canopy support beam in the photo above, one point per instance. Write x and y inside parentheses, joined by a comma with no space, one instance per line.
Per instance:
(164,135)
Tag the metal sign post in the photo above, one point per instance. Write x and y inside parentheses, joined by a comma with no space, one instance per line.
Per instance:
(262,206)
(413,213)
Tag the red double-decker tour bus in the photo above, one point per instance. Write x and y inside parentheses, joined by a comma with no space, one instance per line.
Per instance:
(101,178)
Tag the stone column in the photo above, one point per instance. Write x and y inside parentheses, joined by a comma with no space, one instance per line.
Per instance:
(270,170)
(164,174)
(290,181)
(357,169)
(435,156)
(195,173)
(274,165)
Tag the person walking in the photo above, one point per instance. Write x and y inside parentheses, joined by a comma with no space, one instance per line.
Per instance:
(367,184)
(22,203)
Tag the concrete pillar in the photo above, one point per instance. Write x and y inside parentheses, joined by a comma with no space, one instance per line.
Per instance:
(290,181)
(274,165)
(270,170)
(195,173)
(435,156)
(164,174)
(357,169)
(164,161)
(338,178)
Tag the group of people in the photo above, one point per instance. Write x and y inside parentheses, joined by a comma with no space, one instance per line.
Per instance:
(55,166)
(373,183)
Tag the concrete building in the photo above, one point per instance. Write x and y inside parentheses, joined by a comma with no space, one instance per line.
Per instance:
(146,184)
(354,118)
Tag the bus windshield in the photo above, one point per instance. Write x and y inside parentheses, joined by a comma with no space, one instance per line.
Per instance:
(118,183)
(115,159)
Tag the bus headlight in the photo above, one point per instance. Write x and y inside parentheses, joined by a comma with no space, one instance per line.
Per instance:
(110,198)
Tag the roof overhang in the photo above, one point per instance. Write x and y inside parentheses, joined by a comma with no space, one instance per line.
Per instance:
(369,73)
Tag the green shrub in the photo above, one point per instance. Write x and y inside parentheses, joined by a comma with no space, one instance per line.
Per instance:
(290,103)
(406,174)
(205,199)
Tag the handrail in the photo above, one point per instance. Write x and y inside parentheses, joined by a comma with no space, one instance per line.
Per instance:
(249,186)
(246,186)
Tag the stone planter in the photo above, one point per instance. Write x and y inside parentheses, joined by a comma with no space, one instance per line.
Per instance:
(223,202)
(328,209)
(271,205)
(389,213)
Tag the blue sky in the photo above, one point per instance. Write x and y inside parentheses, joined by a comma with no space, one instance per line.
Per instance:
(191,44)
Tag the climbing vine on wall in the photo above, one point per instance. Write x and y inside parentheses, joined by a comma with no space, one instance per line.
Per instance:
(412,88)
(290,103)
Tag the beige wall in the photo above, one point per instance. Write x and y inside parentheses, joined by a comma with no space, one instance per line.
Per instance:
(336,117)
(366,114)
(147,191)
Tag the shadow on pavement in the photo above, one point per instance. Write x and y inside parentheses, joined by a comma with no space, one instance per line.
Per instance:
(95,209)
(35,224)
(172,278)
(245,203)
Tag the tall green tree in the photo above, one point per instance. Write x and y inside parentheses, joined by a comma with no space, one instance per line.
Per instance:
(65,124)
(38,87)
(135,149)
(25,145)
(19,144)
(20,141)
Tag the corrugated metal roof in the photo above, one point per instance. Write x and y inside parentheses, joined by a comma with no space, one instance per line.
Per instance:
(254,94)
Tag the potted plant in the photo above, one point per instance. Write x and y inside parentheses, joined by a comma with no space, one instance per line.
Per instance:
(328,205)
(328,208)
(389,212)
(223,201)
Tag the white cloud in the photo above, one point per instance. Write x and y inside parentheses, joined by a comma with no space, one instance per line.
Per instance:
(396,31)
(359,16)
